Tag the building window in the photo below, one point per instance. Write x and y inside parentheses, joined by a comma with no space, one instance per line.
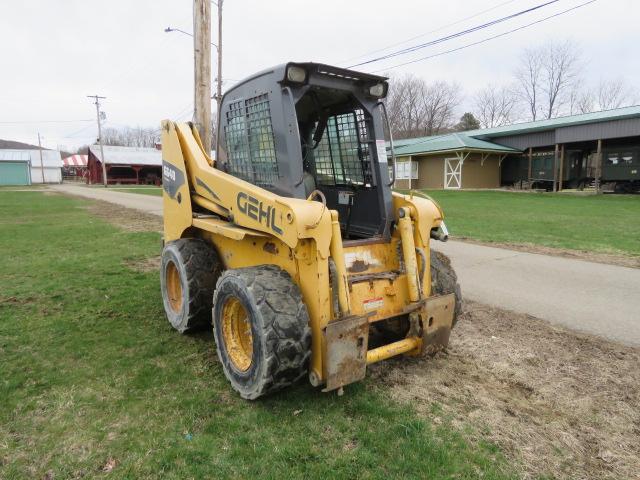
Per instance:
(615,158)
(402,170)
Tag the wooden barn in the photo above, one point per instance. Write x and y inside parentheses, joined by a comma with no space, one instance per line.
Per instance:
(125,165)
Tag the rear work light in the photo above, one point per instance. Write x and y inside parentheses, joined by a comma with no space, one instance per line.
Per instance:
(378,90)
(296,74)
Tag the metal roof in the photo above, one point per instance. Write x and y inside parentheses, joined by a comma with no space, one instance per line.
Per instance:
(128,155)
(448,143)
(477,139)
(571,120)
(14,156)
(50,158)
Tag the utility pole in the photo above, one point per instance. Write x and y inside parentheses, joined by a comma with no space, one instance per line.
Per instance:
(41,164)
(104,167)
(219,48)
(202,69)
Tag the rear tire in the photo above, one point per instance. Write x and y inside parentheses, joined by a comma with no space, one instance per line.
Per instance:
(261,329)
(188,274)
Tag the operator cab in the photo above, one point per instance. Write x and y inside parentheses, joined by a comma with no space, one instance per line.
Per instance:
(303,128)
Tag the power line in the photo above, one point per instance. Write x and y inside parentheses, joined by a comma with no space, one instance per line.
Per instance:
(455,35)
(75,134)
(17,122)
(180,114)
(486,39)
(427,33)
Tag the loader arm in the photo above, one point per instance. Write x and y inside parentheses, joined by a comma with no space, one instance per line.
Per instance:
(238,201)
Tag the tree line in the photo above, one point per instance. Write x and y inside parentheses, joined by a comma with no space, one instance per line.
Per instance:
(548,81)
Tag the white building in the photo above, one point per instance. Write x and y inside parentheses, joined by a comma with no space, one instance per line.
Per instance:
(25,167)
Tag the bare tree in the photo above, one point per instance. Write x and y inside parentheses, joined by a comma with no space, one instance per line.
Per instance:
(496,106)
(528,76)
(546,77)
(580,101)
(130,136)
(607,95)
(417,108)
(403,105)
(439,103)
(615,94)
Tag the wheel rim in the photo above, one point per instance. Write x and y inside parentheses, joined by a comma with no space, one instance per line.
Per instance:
(174,287)
(236,330)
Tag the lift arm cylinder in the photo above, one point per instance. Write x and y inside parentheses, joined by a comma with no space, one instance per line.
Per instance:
(409,253)
(337,253)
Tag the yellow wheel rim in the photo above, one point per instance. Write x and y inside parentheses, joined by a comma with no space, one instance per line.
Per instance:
(174,287)
(236,330)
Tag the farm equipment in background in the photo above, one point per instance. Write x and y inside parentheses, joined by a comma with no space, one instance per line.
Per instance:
(292,242)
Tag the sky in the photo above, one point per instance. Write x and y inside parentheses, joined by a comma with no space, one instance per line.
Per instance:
(55,53)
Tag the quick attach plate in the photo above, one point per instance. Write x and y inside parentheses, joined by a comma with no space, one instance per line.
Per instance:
(347,343)
(437,318)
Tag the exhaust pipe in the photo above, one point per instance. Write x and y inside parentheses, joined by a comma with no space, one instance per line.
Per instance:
(441,233)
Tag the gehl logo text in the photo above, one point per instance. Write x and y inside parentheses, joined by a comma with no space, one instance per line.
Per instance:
(253,208)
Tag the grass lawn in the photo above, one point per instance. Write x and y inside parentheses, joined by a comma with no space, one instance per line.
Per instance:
(94,379)
(156,191)
(602,223)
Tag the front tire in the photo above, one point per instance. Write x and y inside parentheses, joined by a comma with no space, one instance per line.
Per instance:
(445,281)
(261,329)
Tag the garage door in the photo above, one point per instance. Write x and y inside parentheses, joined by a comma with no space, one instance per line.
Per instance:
(14,173)
(452,173)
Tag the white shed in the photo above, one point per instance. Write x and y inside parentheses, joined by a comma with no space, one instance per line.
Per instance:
(52,164)
(23,167)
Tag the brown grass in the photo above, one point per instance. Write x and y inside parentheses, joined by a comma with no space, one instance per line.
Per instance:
(151,264)
(558,403)
(127,219)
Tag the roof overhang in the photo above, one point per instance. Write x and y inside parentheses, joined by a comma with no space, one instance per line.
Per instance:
(458,150)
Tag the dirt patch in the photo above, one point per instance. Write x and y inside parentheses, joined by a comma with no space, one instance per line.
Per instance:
(125,218)
(144,265)
(558,403)
(596,257)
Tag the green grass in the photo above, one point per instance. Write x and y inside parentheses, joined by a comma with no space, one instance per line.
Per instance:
(156,191)
(91,371)
(600,223)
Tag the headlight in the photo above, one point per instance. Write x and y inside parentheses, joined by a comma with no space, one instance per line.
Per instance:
(378,90)
(296,74)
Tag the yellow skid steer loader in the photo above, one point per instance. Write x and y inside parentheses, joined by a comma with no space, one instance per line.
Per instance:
(292,242)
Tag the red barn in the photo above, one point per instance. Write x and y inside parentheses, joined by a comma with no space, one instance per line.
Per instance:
(126,165)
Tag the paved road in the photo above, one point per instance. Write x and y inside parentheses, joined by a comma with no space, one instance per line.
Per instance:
(591,297)
(145,203)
